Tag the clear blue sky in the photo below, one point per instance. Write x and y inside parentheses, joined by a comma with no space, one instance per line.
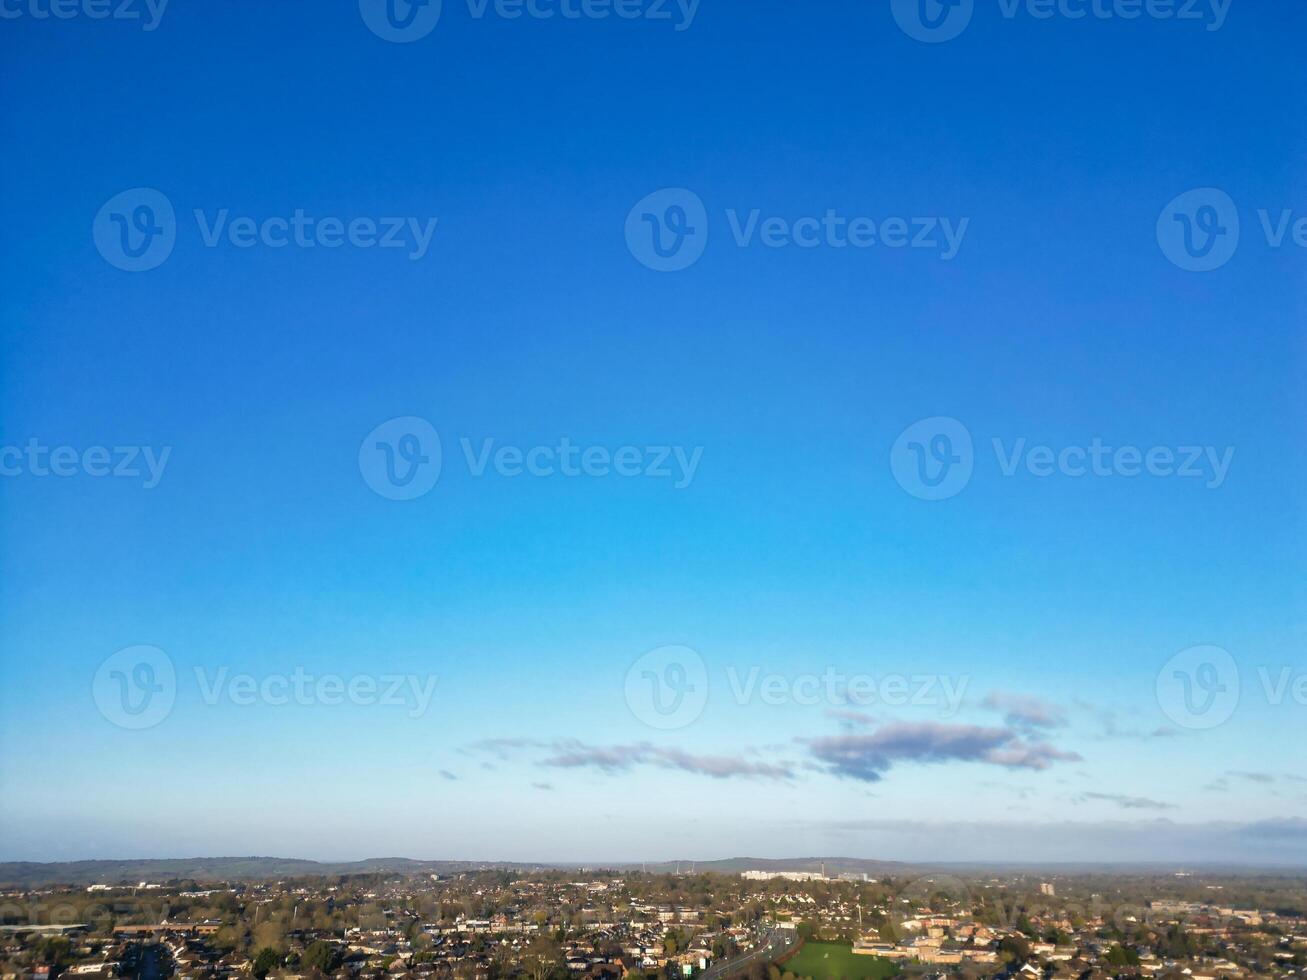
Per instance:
(529,319)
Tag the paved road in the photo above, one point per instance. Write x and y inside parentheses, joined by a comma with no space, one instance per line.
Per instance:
(152,967)
(775,944)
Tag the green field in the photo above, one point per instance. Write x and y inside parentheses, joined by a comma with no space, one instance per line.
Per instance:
(833,961)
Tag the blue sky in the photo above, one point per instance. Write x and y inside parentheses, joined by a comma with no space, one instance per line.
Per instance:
(1052,603)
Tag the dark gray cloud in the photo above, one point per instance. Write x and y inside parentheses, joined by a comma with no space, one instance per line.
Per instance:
(858,754)
(1025,711)
(1128,802)
(868,757)
(447,774)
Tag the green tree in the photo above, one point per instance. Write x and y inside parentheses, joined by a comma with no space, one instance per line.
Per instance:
(1120,955)
(1014,949)
(265,962)
(320,956)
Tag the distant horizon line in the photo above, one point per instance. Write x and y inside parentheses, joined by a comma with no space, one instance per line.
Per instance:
(631,864)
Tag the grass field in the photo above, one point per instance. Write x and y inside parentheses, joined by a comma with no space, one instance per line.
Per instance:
(833,961)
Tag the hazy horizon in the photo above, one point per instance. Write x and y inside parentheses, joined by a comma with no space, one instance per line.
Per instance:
(691,865)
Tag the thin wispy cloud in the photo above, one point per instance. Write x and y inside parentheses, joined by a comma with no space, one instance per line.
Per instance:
(1253,777)
(619,758)
(503,747)
(1025,711)
(851,718)
(613,759)
(1110,726)
(1128,802)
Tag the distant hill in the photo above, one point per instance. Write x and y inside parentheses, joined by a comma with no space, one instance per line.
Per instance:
(130,872)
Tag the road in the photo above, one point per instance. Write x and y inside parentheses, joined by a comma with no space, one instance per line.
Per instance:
(775,944)
(145,961)
(152,965)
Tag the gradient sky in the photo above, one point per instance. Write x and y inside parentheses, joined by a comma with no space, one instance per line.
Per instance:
(793,550)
